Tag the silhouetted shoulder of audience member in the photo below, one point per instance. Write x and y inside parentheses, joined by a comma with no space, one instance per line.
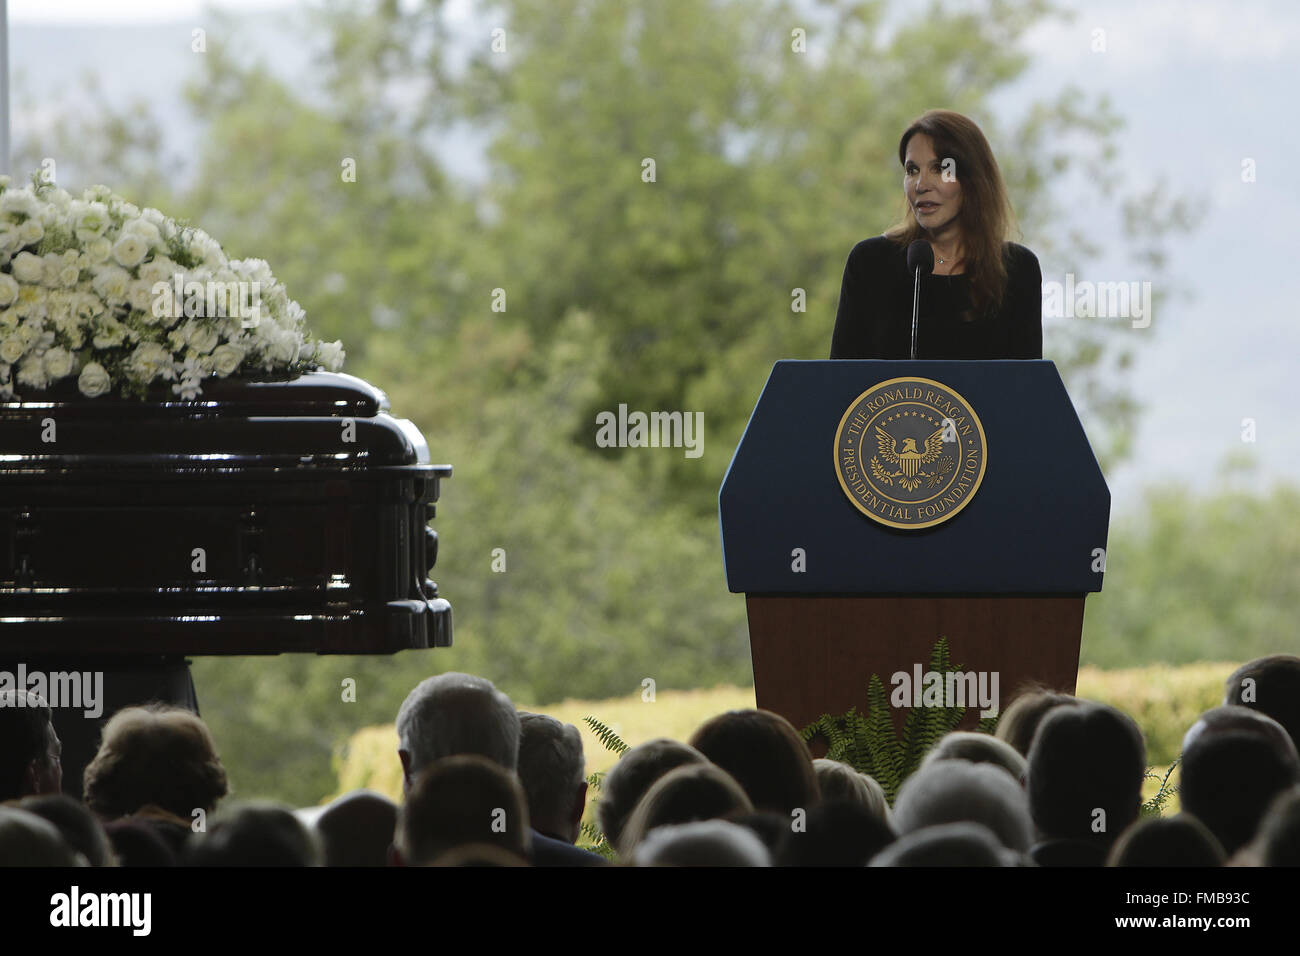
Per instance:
(78,826)
(1278,840)
(769,827)
(1180,840)
(954,791)
(839,781)
(157,755)
(1236,761)
(547,851)
(255,833)
(689,793)
(949,844)
(357,829)
(1270,685)
(765,755)
(979,748)
(835,833)
(29,747)
(1086,768)
(136,843)
(1067,852)
(29,840)
(458,801)
(628,780)
(703,843)
(553,773)
(452,715)
(1020,719)
(479,854)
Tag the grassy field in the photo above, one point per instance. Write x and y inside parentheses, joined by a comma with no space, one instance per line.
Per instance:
(1163,700)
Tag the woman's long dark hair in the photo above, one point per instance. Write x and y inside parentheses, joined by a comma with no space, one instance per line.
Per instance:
(986,216)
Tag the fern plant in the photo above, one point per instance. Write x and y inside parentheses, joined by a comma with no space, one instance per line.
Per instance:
(1155,807)
(869,743)
(612,742)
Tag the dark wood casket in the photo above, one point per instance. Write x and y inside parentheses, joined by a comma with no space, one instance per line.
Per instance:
(263,517)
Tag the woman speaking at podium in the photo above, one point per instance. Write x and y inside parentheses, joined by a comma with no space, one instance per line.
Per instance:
(984,297)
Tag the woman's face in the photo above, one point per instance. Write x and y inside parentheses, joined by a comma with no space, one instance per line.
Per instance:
(933,193)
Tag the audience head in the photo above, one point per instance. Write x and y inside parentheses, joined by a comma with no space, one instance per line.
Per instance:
(459,801)
(839,781)
(77,825)
(357,829)
(949,844)
(455,714)
(30,750)
(703,843)
(1270,685)
(136,843)
(693,792)
(1086,768)
(955,791)
(1180,840)
(765,755)
(979,748)
(157,755)
(29,840)
(1278,840)
(1019,721)
(1236,761)
(835,833)
(628,780)
(255,833)
(553,773)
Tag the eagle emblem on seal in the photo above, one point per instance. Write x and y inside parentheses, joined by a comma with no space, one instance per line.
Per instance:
(907,461)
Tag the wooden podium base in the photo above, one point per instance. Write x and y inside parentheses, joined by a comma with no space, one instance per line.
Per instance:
(815,655)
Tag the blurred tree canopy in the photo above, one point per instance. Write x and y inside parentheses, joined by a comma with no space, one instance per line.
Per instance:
(770,161)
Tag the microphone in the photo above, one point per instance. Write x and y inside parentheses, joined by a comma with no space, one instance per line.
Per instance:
(920,260)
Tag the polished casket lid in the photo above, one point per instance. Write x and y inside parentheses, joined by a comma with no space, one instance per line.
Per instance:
(309,502)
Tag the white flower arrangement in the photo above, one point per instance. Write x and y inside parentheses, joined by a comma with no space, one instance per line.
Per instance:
(116,296)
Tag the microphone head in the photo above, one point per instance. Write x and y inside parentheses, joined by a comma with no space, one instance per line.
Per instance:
(920,254)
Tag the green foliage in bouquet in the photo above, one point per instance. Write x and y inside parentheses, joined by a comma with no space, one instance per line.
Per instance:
(97,290)
(612,742)
(868,742)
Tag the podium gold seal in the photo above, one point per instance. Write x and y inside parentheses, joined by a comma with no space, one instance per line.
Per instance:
(910,453)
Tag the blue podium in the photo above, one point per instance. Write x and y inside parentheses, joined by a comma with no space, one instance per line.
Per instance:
(872,507)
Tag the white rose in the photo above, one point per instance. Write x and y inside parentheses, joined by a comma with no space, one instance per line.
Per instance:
(67,274)
(158,269)
(204,339)
(143,228)
(31,232)
(330,355)
(28,268)
(284,348)
(130,251)
(8,319)
(99,249)
(89,219)
(139,295)
(8,289)
(22,201)
(226,359)
(59,363)
(32,372)
(108,333)
(12,349)
(111,282)
(86,306)
(93,380)
(150,361)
